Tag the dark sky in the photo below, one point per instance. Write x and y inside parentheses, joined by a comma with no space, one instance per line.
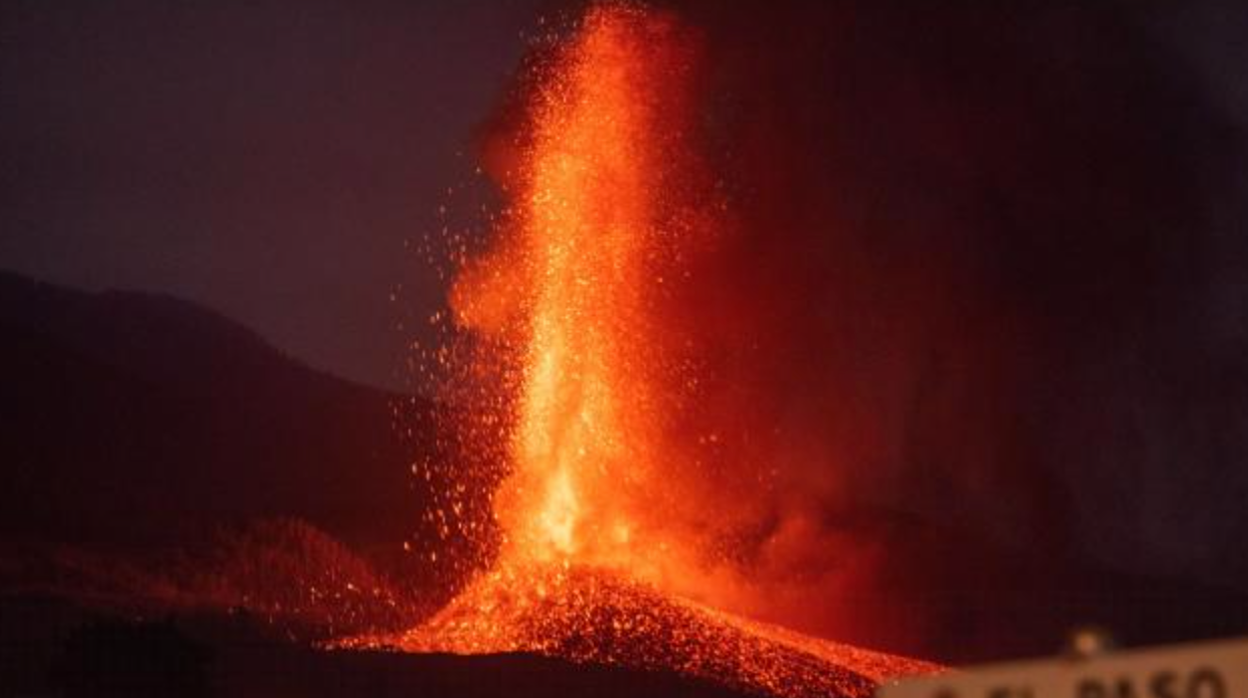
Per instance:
(268,159)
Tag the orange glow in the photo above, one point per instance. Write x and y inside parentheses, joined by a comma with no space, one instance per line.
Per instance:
(599,560)
(581,265)
(587,225)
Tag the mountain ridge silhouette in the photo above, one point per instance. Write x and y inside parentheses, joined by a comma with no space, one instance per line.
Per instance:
(137,419)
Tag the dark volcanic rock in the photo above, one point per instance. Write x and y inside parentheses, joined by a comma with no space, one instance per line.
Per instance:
(80,652)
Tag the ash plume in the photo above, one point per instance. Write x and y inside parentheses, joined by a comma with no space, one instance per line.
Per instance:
(963,305)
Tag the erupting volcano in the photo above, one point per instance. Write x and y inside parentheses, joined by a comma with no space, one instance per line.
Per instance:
(751,335)
(610,542)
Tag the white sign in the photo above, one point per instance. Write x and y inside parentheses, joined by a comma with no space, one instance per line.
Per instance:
(1201,670)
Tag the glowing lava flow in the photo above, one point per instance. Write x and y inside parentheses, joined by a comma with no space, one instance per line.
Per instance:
(594,564)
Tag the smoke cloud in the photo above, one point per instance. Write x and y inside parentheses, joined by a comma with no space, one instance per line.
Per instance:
(961,320)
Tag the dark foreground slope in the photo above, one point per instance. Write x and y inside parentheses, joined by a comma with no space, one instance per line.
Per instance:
(55,648)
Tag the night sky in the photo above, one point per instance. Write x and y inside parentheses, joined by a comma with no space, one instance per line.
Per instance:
(267,159)
(271,159)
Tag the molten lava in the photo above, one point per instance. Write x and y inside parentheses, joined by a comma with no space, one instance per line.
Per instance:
(584,421)
(603,556)
(604,217)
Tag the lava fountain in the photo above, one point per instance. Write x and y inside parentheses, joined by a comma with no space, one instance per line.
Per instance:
(610,201)
(604,532)
(587,416)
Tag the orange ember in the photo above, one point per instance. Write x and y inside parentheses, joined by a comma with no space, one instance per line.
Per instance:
(584,418)
(586,614)
(601,557)
(574,282)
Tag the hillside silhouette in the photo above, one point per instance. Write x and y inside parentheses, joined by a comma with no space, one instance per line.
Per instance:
(133,421)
